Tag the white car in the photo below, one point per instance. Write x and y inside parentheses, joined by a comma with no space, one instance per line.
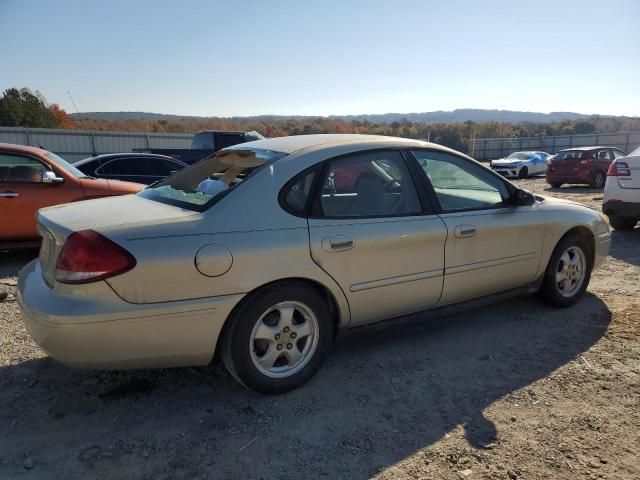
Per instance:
(521,164)
(621,201)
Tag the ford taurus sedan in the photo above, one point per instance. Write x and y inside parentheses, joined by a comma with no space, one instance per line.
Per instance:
(267,250)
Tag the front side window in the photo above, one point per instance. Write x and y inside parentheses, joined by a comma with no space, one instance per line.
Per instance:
(200,185)
(460,184)
(20,169)
(61,162)
(373,184)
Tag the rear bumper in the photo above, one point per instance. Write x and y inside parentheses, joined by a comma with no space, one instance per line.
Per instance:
(581,176)
(622,209)
(100,330)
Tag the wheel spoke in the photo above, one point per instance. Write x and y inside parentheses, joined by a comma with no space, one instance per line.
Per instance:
(302,329)
(293,355)
(266,332)
(286,316)
(267,360)
(560,277)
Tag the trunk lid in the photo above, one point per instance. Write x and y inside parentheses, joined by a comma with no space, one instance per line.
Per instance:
(55,224)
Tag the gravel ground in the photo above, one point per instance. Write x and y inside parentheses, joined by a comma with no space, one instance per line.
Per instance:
(517,390)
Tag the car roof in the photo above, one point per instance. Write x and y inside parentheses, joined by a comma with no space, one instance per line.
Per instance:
(586,148)
(295,143)
(22,149)
(111,156)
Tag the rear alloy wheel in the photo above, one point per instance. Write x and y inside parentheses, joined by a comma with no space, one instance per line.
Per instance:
(278,338)
(622,223)
(598,180)
(524,173)
(556,184)
(568,273)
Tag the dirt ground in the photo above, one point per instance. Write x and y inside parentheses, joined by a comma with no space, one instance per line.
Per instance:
(517,390)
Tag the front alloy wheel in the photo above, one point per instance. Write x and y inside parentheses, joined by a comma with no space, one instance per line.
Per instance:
(568,271)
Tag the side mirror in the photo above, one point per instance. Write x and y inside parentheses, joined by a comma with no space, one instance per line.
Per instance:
(523,198)
(51,177)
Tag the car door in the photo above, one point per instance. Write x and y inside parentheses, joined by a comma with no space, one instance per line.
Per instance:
(369,230)
(491,246)
(22,193)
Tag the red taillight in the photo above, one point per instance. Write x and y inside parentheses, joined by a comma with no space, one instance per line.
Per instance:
(619,169)
(88,257)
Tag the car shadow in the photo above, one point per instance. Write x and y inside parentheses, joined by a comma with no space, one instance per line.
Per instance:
(382,395)
(12,261)
(625,246)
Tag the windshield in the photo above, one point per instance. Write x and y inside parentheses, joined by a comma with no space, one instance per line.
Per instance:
(61,162)
(519,156)
(202,184)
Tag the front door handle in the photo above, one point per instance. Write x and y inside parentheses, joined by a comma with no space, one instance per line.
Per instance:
(465,231)
(9,194)
(337,243)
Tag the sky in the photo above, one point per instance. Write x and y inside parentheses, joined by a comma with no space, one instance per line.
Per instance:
(239,58)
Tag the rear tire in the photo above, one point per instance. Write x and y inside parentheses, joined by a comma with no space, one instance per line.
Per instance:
(524,173)
(568,272)
(556,184)
(622,223)
(278,338)
(598,180)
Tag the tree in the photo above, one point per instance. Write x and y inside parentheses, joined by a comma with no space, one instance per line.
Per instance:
(62,118)
(24,108)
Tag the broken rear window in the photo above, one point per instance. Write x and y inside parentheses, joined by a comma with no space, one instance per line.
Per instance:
(204,183)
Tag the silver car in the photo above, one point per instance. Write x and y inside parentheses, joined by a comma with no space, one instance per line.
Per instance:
(269,249)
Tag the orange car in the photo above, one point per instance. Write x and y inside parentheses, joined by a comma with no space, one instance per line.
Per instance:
(32,178)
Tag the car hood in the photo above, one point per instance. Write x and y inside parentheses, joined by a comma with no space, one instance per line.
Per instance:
(103,213)
(503,162)
(99,187)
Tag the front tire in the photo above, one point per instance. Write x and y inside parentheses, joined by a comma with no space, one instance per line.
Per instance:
(568,272)
(622,223)
(524,173)
(278,338)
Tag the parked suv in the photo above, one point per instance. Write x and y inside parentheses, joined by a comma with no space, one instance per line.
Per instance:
(587,165)
(622,192)
(32,178)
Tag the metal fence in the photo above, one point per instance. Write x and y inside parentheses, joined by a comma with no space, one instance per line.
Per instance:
(75,145)
(490,148)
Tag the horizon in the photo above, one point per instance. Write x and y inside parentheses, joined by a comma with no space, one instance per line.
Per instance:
(334,59)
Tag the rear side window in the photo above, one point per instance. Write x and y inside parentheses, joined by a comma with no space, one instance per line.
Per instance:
(603,154)
(224,140)
(203,141)
(617,153)
(572,154)
(373,184)
(295,196)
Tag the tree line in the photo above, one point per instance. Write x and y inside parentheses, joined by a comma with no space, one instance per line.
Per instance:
(25,108)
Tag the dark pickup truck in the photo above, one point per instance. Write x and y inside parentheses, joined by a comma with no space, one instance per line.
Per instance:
(204,144)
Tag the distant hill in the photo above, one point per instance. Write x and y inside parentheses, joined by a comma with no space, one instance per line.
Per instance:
(454,116)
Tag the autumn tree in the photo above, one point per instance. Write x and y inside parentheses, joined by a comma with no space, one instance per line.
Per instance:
(62,118)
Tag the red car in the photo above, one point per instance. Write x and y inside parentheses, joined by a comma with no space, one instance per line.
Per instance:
(587,165)
(32,178)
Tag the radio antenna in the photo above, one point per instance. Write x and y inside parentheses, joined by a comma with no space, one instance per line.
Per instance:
(76,107)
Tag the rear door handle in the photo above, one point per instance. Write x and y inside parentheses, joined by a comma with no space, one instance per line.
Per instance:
(465,231)
(9,194)
(337,243)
